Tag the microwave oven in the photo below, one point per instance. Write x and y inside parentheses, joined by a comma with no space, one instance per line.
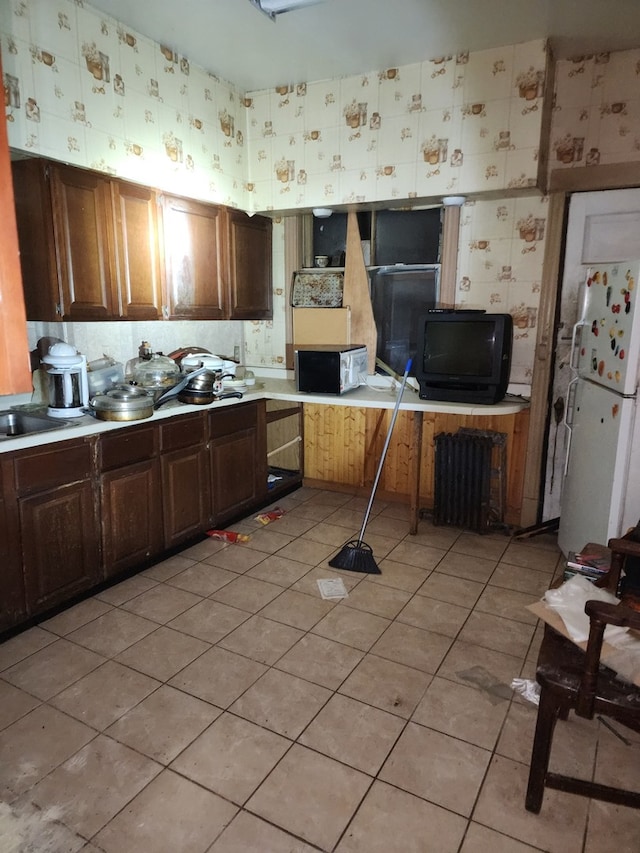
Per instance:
(330,369)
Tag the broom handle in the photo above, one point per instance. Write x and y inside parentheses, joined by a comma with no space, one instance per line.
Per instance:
(384,449)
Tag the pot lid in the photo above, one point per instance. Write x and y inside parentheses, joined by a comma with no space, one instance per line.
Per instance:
(178,354)
(62,354)
(156,370)
(204,359)
(123,398)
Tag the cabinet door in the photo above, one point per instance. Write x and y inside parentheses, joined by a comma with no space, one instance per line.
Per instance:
(185,493)
(131,516)
(137,257)
(81,207)
(238,459)
(250,290)
(59,544)
(12,600)
(34,217)
(194,252)
(233,474)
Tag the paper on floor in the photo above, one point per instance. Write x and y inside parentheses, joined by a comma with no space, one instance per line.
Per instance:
(332,588)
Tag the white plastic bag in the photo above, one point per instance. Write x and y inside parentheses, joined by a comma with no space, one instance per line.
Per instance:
(569,600)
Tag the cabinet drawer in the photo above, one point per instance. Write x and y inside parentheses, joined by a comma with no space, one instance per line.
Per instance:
(127,446)
(229,420)
(183,431)
(57,465)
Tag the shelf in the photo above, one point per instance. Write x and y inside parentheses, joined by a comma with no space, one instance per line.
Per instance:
(290,480)
(279,414)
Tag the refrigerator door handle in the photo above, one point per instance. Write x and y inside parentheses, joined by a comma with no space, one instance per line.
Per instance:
(576,338)
(568,418)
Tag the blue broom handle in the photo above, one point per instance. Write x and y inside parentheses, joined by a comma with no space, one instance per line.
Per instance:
(384,449)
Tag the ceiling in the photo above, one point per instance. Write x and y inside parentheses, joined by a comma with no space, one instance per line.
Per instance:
(235,41)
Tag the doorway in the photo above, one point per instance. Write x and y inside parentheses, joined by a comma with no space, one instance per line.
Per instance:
(603,226)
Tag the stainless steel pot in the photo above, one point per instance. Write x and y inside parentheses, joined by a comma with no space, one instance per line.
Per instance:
(208,381)
(173,392)
(204,398)
(200,387)
(123,403)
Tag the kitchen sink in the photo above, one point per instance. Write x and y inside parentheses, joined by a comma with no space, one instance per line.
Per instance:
(13,424)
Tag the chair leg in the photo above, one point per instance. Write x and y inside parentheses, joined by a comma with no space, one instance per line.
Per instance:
(548,711)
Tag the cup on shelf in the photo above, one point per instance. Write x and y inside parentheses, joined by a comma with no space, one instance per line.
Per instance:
(322,260)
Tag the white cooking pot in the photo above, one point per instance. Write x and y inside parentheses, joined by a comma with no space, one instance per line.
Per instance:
(211,362)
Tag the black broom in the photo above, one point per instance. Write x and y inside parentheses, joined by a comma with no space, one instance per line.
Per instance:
(357,556)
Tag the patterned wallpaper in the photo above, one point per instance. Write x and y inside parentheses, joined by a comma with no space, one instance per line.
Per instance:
(596,117)
(500,268)
(467,123)
(80,87)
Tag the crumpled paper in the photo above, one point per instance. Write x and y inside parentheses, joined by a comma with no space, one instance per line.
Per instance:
(569,600)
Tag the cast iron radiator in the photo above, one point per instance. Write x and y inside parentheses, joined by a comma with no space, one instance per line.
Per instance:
(469,479)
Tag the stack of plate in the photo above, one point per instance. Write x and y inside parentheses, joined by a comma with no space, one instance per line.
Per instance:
(234,385)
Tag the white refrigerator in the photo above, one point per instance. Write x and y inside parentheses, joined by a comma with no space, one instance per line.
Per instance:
(601,486)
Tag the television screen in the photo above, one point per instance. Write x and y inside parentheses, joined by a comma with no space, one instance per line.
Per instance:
(464,356)
(463,349)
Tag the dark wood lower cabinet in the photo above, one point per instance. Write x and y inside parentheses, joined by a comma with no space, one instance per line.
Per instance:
(77,513)
(12,599)
(131,521)
(60,550)
(238,460)
(130,498)
(55,521)
(185,490)
(185,478)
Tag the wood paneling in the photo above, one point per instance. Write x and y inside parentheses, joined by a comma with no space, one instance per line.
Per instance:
(610,176)
(334,443)
(356,293)
(343,445)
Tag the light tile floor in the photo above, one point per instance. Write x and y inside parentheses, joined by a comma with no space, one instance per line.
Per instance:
(217,703)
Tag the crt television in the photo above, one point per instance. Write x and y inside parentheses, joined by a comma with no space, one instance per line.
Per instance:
(463,356)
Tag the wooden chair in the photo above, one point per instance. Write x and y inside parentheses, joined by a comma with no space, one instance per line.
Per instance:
(573,680)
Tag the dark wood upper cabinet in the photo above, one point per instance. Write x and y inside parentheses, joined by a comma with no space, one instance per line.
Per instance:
(81,233)
(250,290)
(137,254)
(62,216)
(194,240)
(89,244)
(95,247)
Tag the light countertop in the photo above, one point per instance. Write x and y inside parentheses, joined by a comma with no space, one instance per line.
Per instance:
(379,397)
